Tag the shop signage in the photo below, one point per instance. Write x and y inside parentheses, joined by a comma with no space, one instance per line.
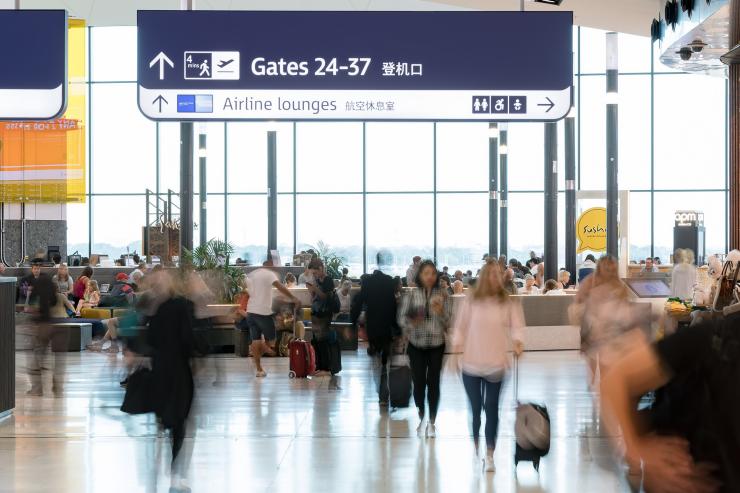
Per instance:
(591,230)
(689,218)
(288,65)
(33,73)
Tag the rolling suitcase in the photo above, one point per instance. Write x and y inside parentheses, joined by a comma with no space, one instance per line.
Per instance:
(301,353)
(302,359)
(531,428)
(399,378)
(328,354)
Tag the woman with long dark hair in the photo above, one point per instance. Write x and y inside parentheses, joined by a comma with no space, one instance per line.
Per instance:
(425,317)
(80,285)
(486,326)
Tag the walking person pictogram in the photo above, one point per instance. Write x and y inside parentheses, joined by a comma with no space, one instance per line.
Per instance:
(204,69)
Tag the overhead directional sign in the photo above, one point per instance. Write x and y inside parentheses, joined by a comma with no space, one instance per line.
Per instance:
(262,65)
(33,64)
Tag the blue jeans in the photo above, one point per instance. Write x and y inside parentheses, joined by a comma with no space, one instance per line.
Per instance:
(482,393)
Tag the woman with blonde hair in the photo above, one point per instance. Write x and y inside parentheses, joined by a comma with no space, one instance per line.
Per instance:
(91,296)
(487,325)
(63,281)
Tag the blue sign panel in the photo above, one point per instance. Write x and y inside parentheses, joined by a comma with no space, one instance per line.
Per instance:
(33,75)
(289,65)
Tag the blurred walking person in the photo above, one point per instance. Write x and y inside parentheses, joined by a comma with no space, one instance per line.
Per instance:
(42,297)
(688,441)
(606,315)
(377,297)
(425,317)
(170,336)
(488,323)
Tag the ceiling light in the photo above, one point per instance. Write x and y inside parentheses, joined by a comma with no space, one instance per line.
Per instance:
(549,2)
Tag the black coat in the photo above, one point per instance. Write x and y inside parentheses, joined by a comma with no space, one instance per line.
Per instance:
(378,296)
(170,336)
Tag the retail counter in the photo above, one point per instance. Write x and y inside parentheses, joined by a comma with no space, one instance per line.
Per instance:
(546,318)
(7,345)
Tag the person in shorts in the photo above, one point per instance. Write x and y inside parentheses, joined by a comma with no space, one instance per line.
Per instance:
(260,319)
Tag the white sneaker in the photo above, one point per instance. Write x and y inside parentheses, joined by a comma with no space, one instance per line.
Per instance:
(488,465)
(261,374)
(420,428)
(431,430)
(178,483)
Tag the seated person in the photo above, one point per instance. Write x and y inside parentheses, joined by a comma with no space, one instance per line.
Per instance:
(345,302)
(63,307)
(290,281)
(90,298)
(242,299)
(140,270)
(588,267)
(444,284)
(135,279)
(529,286)
(25,286)
(649,266)
(564,279)
(121,293)
(509,284)
(458,288)
(57,259)
(305,275)
(468,277)
(62,280)
(80,285)
(552,287)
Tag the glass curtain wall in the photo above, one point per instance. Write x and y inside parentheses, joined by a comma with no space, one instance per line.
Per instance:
(410,188)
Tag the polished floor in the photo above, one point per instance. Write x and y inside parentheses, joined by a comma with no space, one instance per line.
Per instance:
(282,435)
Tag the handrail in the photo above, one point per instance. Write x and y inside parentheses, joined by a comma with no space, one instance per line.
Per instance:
(161,213)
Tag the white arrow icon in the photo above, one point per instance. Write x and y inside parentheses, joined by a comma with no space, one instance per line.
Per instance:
(161,58)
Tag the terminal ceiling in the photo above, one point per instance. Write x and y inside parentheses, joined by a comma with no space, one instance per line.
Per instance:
(629,16)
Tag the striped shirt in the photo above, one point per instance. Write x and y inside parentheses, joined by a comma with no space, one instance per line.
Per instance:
(423,327)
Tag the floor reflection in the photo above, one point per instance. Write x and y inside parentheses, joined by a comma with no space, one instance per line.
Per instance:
(285,435)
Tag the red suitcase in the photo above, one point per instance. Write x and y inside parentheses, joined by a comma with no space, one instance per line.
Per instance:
(302,359)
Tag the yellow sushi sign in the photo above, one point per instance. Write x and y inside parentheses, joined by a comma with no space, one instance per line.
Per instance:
(591,230)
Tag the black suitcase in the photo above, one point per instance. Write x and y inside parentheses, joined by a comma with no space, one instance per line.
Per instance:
(346,334)
(399,386)
(328,355)
(532,427)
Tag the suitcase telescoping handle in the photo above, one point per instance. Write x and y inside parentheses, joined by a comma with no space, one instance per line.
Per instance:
(516,378)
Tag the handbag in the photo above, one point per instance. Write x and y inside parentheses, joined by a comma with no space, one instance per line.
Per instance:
(139,398)
(326,307)
(725,293)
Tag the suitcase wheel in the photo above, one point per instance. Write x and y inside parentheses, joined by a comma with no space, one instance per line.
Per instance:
(291,374)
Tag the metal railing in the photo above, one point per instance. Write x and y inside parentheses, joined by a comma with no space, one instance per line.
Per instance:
(162,213)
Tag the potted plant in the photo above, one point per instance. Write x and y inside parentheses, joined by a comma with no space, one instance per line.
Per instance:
(332,261)
(225,281)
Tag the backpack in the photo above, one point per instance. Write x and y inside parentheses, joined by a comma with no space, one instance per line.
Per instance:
(118,297)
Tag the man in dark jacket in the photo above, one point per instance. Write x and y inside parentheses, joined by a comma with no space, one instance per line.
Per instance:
(378,297)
